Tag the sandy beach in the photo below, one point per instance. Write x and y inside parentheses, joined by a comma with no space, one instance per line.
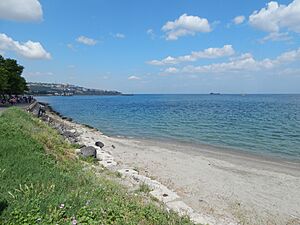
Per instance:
(221,187)
(246,189)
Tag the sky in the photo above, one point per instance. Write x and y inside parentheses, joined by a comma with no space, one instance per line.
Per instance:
(155,46)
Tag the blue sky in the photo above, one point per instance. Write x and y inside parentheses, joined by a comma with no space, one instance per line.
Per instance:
(156,46)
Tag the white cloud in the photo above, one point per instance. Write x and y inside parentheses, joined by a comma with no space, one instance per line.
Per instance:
(245,62)
(21,10)
(70,46)
(209,53)
(29,49)
(86,40)
(290,71)
(186,25)
(276,37)
(119,36)
(238,20)
(171,70)
(134,78)
(151,33)
(275,17)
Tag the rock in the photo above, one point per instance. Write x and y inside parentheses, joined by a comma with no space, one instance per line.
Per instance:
(78,151)
(89,151)
(59,128)
(99,144)
(69,134)
(73,131)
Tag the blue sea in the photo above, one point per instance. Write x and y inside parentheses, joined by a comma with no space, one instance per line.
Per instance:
(260,124)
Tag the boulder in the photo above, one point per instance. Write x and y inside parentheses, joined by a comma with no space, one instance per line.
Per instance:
(99,144)
(69,134)
(88,151)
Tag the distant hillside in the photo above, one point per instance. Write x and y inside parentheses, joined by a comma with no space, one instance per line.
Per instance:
(65,90)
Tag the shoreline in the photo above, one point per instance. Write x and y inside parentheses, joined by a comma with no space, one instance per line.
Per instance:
(218,152)
(197,148)
(252,153)
(220,187)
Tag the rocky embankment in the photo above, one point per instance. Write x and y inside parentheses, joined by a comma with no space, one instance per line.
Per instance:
(94,144)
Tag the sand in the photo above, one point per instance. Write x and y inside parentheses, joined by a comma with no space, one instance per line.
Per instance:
(214,186)
(227,186)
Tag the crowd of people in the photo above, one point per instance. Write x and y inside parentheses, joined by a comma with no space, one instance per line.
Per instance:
(15,99)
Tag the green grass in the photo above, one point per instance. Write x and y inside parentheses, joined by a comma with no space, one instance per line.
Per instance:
(42,182)
(144,188)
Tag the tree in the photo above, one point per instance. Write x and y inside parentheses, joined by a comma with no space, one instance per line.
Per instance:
(3,77)
(11,80)
(3,81)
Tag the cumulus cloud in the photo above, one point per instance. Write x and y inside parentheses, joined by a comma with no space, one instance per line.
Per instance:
(209,53)
(275,17)
(245,62)
(134,78)
(186,25)
(29,49)
(238,20)
(21,10)
(86,40)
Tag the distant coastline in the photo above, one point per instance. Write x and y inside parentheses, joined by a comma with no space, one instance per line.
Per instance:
(55,89)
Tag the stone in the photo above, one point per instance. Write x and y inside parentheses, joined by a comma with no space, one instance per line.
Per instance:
(180,207)
(78,151)
(73,131)
(88,151)
(99,144)
(69,134)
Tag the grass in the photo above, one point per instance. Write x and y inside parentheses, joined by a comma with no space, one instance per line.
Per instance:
(144,188)
(42,182)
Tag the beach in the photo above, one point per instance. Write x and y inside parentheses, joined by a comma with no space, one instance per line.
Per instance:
(213,186)
(150,112)
(246,189)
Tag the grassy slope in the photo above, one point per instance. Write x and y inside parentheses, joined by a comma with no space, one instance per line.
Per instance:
(38,173)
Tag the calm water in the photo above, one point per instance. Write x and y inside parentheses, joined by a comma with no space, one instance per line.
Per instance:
(264,124)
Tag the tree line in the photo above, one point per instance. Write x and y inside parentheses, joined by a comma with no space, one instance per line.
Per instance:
(11,80)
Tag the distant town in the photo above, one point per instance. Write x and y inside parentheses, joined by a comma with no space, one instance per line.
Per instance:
(53,89)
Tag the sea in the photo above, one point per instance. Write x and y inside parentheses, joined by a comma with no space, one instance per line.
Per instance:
(267,125)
